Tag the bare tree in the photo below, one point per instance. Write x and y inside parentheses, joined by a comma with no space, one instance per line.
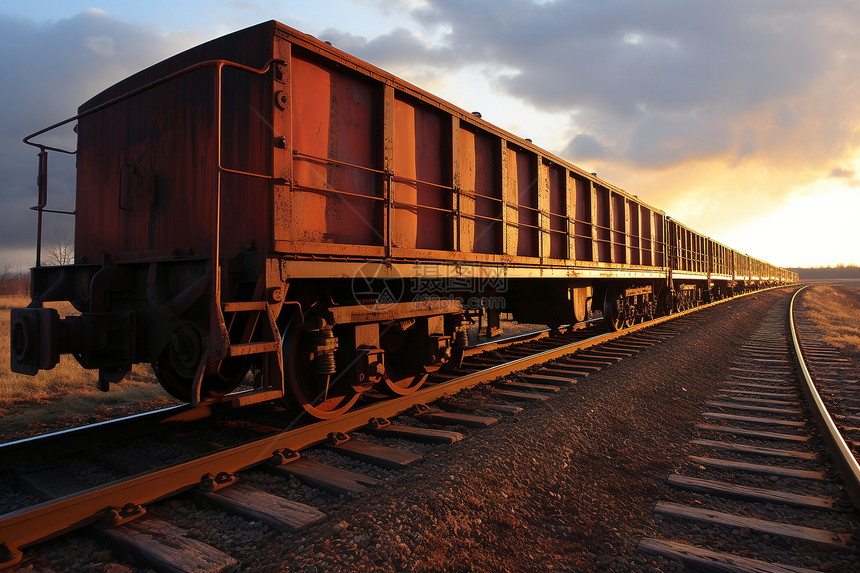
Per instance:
(5,276)
(60,251)
(12,281)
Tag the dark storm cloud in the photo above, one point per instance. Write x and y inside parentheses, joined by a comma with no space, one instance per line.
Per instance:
(48,70)
(664,74)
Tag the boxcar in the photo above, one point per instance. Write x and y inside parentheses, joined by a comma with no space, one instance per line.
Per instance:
(267,203)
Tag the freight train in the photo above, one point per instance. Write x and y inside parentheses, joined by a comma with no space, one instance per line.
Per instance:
(267,207)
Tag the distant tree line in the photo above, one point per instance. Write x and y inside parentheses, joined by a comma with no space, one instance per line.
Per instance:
(13,281)
(837,272)
(58,251)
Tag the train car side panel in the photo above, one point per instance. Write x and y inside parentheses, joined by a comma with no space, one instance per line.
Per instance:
(336,196)
(481,191)
(557,233)
(421,209)
(522,227)
(583,224)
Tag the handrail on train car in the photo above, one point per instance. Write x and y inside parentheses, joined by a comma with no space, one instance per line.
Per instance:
(502,202)
(42,180)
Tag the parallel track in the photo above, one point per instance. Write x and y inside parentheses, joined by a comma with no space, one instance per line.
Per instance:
(759,431)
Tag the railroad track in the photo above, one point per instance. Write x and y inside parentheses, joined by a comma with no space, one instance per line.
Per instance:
(535,369)
(766,487)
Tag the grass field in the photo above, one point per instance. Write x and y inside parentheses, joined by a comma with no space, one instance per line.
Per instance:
(836,309)
(68,390)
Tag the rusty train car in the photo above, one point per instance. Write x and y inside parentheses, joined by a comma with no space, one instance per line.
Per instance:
(266,203)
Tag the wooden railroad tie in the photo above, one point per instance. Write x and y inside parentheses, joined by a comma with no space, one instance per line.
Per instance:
(703,515)
(256,505)
(758,450)
(759,468)
(331,479)
(696,557)
(751,493)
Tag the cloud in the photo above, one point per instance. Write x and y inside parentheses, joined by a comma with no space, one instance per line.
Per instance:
(842,173)
(672,80)
(397,51)
(50,69)
(587,145)
(101,45)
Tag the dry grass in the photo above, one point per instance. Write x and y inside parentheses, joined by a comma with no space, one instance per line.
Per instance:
(836,311)
(68,390)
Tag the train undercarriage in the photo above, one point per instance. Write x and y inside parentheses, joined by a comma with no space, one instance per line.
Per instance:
(319,344)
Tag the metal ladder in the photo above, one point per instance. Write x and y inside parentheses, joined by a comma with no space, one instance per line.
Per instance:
(252,330)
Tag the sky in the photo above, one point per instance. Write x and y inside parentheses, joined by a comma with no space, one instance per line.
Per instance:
(740,118)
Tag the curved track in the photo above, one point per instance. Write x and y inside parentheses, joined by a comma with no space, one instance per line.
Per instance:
(843,457)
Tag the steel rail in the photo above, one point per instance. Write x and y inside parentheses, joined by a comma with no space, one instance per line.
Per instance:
(74,439)
(28,526)
(845,462)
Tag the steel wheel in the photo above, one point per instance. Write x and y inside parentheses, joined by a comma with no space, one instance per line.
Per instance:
(322,396)
(648,313)
(616,311)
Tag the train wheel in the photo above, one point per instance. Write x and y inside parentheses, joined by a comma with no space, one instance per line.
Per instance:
(310,387)
(616,310)
(179,385)
(630,319)
(647,311)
